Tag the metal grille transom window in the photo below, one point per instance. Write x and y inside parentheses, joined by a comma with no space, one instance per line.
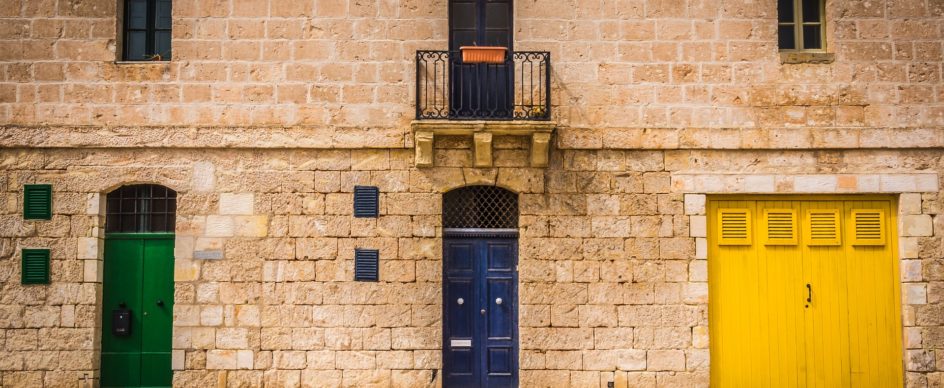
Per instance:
(801,25)
(480,207)
(141,209)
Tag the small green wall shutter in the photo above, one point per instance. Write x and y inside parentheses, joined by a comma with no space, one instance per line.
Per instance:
(35,269)
(37,202)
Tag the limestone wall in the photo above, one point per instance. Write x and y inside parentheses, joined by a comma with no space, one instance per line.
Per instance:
(612,260)
(272,110)
(350,63)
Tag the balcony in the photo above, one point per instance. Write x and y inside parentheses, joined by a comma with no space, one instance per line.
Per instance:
(511,98)
(518,89)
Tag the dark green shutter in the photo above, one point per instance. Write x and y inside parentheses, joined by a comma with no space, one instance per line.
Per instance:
(37,202)
(35,269)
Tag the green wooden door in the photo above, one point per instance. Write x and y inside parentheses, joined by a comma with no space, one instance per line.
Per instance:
(139,276)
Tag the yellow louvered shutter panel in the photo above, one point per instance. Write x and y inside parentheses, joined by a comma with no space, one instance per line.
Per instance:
(781,226)
(823,227)
(735,226)
(869,227)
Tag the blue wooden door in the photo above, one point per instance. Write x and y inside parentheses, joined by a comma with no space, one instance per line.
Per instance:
(480,312)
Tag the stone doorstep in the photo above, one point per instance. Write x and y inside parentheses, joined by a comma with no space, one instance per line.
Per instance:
(482,132)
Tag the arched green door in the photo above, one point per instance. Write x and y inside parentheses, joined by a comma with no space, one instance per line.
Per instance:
(137,313)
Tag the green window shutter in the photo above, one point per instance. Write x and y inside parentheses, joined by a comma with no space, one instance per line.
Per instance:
(37,202)
(35,269)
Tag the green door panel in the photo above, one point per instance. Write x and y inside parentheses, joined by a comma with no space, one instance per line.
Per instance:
(158,301)
(120,369)
(139,273)
(155,369)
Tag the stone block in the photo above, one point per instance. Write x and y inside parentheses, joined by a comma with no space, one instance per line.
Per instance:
(760,184)
(892,183)
(617,359)
(92,271)
(665,360)
(236,203)
(695,293)
(320,378)
(909,203)
(183,247)
(919,225)
(220,226)
(211,315)
(919,360)
(251,226)
(913,338)
(612,338)
(177,359)
(289,359)
(915,293)
(695,204)
(698,271)
(186,270)
(580,378)
(88,248)
(698,226)
(815,183)
(911,271)
(94,204)
(222,359)
(908,247)
(204,177)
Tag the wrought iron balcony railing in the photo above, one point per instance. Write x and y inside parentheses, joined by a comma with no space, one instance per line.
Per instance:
(518,89)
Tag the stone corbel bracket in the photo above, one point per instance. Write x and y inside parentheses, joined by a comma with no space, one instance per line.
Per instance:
(482,132)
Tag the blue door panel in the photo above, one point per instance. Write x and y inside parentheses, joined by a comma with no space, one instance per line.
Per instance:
(499,360)
(463,362)
(459,258)
(500,257)
(500,316)
(480,335)
(460,315)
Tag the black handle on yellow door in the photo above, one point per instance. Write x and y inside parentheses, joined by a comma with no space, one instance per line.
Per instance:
(809,293)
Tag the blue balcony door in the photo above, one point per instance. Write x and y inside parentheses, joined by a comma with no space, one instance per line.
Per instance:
(480,91)
(480,311)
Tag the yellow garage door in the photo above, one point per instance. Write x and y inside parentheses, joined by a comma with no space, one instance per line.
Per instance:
(804,293)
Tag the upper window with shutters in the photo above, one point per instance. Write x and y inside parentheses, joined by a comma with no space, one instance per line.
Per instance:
(146,30)
(801,25)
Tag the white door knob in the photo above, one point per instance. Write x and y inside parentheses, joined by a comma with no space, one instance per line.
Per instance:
(498,301)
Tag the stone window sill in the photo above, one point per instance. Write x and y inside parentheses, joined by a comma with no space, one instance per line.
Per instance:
(797,57)
(153,63)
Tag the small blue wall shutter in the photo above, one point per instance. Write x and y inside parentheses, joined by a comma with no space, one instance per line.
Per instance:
(35,268)
(37,202)
(366,264)
(366,201)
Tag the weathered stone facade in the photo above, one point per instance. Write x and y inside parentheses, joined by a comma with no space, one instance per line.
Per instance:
(272,110)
